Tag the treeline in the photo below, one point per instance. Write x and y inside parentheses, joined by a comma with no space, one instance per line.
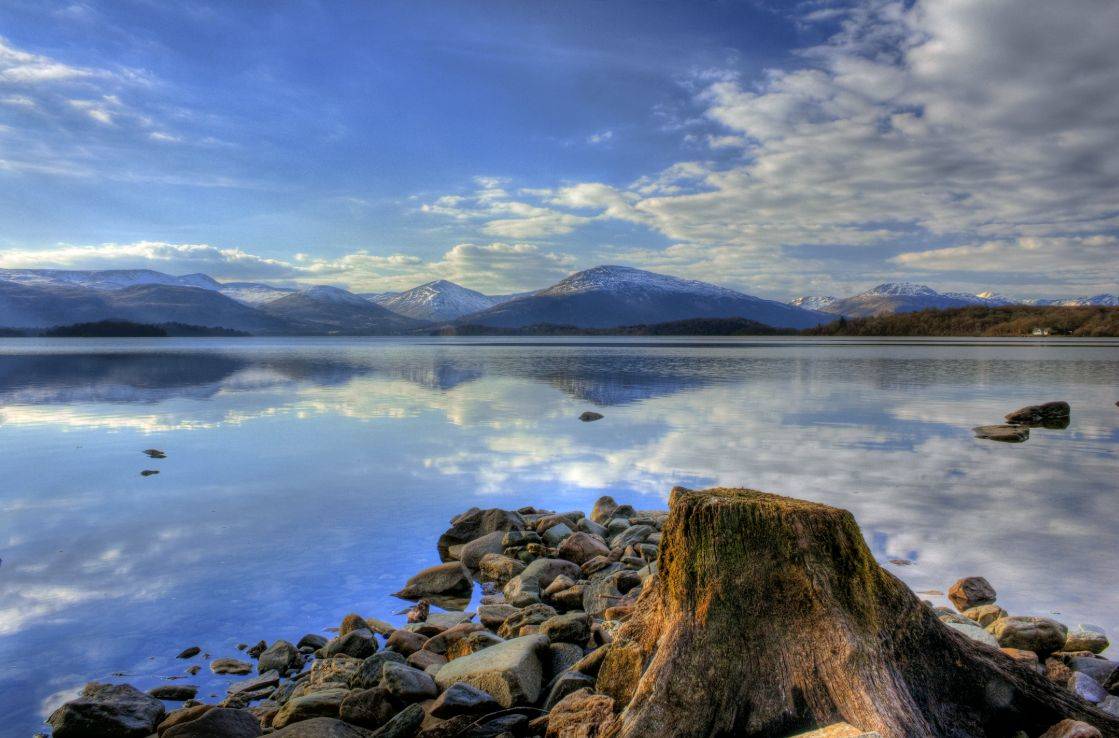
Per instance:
(1010,320)
(691,327)
(123,329)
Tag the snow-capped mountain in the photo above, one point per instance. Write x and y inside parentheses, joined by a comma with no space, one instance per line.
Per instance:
(440,300)
(106,279)
(609,296)
(254,293)
(813,302)
(1101,300)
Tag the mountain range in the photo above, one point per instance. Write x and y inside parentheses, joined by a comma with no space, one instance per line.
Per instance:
(598,298)
(905,297)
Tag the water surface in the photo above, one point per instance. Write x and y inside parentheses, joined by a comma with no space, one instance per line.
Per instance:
(309,478)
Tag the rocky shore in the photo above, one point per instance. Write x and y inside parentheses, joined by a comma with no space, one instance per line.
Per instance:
(560,645)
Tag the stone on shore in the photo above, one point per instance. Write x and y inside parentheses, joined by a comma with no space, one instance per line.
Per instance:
(321,727)
(462,698)
(357,643)
(1005,433)
(1040,635)
(1086,688)
(1086,638)
(353,622)
(971,592)
(451,579)
(281,656)
(406,683)
(511,672)
(581,713)
(312,642)
(572,627)
(324,703)
(219,722)
(472,552)
(369,708)
(492,616)
(603,509)
(255,684)
(475,523)
(1071,729)
(975,633)
(230,666)
(108,710)
(405,642)
(499,568)
(581,548)
(368,675)
(526,588)
(984,614)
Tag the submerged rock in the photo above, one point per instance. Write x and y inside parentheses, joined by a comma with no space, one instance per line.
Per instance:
(108,710)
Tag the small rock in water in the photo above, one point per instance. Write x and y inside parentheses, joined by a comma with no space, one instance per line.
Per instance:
(1004,433)
(149,472)
(155,453)
(192,670)
(188,653)
(230,666)
(590,416)
(1049,414)
(418,613)
(108,710)
(174,692)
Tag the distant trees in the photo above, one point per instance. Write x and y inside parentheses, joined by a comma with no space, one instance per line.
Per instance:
(1009,320)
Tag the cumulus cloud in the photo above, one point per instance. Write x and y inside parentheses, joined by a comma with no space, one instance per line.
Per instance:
(969,121)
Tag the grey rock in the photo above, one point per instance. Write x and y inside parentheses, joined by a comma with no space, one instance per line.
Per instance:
(1110,705)
(632,535)
(475,523)
(554,535)
(566,683)
(1086,687)
(369,675)
(313,641)
(404,724)
(586,525)
(974,632)
(369,708)
(1100,669)
(1086,637)
(526,587)
(281,656)
(255,684)
(561,657)
(572,627)
(406,683)
(117,710)
(1004,433)
(492,616)
(511,671)
(472,552)
(463,699)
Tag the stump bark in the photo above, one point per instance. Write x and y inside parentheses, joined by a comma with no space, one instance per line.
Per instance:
(770,616)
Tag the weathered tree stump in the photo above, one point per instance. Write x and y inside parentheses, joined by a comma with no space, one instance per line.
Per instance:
(770,616)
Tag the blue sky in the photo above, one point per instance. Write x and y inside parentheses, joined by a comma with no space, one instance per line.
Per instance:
(779,148)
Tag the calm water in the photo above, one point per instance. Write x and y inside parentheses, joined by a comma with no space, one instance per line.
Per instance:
(308,478)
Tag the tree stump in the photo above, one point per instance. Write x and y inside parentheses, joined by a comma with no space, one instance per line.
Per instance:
(770,616)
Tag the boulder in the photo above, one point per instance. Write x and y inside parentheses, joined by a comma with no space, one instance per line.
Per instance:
(603,509)
(1040,635)
(581,548)
(406,683)
(472,552)
(984,614)
(368,675)
(1004,433)
(462,698)
(117,710)
(1086,638)
(324,703)
(1101,669)
(426,660)
(511,671)
(369,708)
(450,579)
(404,724)
(971,592)
(572,627)
(561,657)
(220,722)
(632,535)
(356,643)
(472,644)
(586,525)
(312,641)
(405,641)
(620,672)
(441,642)
(230,666)
(281,656)
(475,523)
(581,713)
(321,727)
(564,684)
(556,534)
(182,715)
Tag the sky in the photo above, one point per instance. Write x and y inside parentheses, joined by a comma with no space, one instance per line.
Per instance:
(780,148)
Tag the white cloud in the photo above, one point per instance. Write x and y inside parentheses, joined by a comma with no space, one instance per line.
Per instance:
(24,68)
(600,137)
(955,121)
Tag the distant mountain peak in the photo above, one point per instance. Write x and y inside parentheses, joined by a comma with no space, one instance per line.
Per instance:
(437,300)
(612,277)
(902,289)
(326,293)
(813,302)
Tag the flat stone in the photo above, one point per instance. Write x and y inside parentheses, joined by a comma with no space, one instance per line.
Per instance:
(190,652)
(230,666)
(321,727)
(589,416)
(1004,433)
(108,710)
(255,684)
(511,671)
